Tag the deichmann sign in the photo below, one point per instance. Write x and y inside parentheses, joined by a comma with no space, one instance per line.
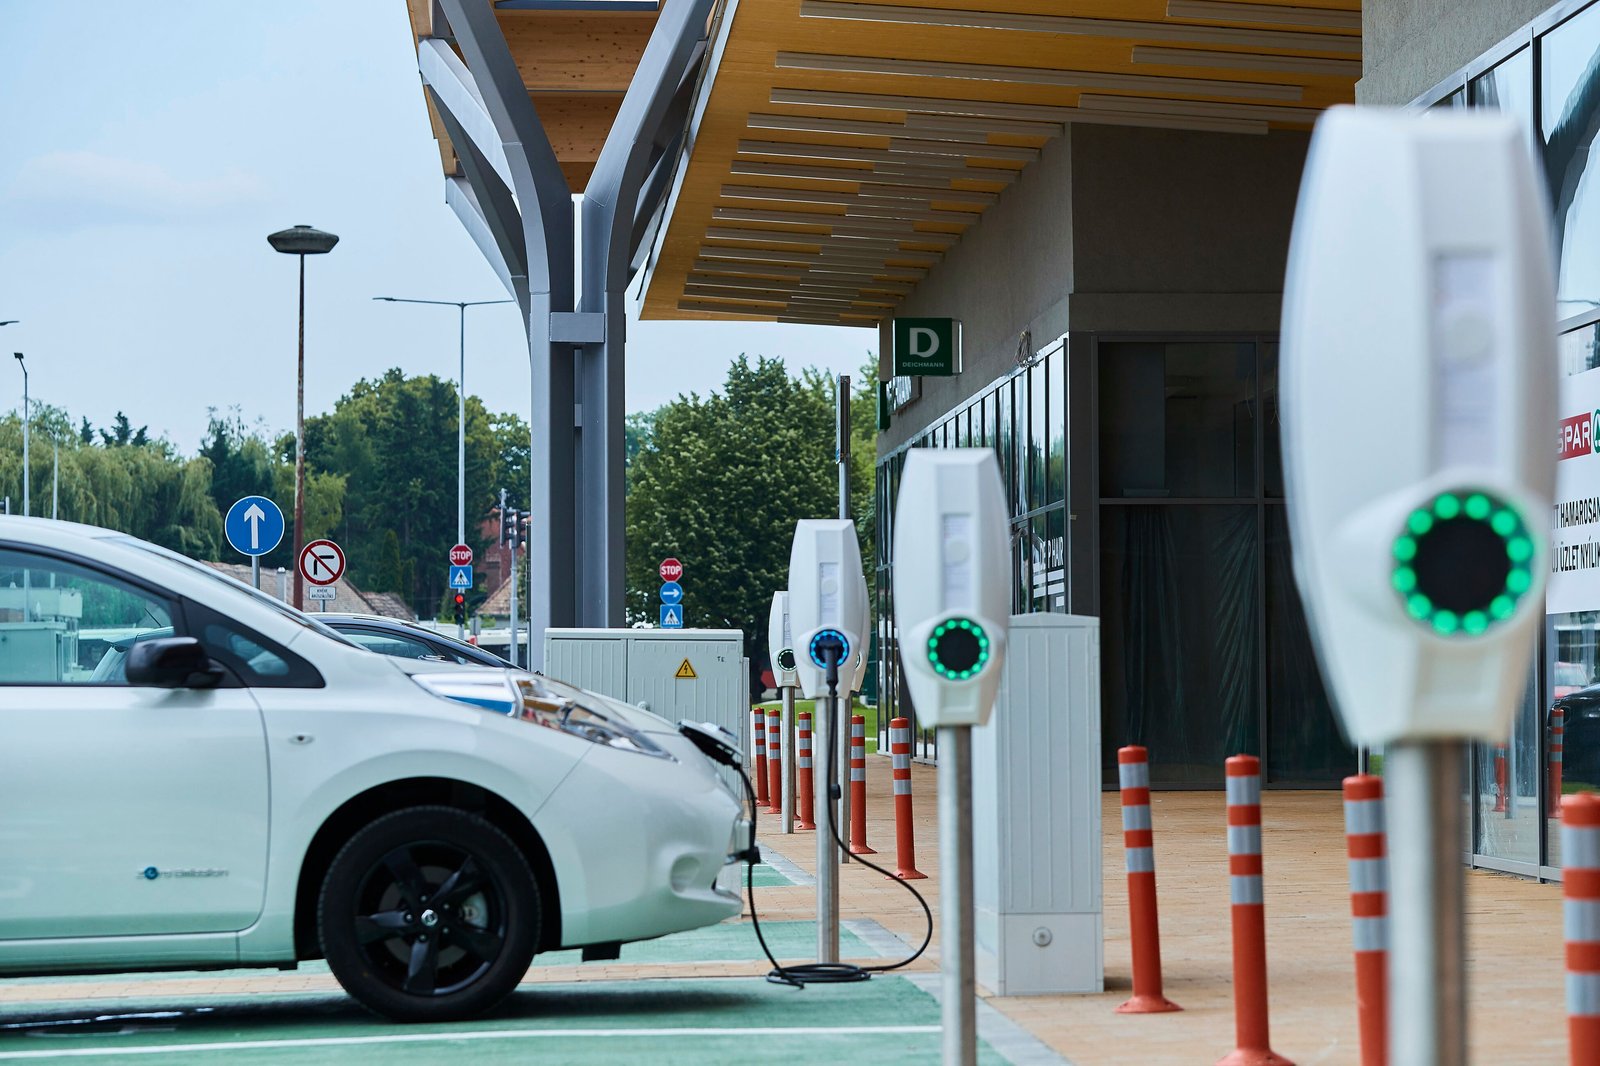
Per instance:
(927,347)
(1574,583)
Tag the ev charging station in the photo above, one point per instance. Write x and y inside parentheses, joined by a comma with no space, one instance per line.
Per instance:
(952,590)
(1419,382)
(827,601)
(780,646)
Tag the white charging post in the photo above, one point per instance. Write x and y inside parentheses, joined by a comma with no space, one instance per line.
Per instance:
(827,600)
(780,646)
(952,595)
(1418,382)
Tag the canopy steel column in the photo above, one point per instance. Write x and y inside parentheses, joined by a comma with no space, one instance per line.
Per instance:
(515,202)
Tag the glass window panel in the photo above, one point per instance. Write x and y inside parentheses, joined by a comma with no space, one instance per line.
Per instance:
(1056,454)
(1177,419)
(1574,673)
(1003,446)
(66,624)
(1039,436)
(1180,620)
(1019,440)
(1508,87)
(1569,98)
(1055,556)
(1271,427)
(1305,745)
(1509,820)
(1579,350)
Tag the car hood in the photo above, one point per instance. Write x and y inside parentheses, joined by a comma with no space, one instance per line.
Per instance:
(496,690)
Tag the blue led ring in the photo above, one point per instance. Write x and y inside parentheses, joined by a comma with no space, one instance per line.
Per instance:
(821,637)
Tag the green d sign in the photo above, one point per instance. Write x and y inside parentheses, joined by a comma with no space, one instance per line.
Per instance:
(927,347)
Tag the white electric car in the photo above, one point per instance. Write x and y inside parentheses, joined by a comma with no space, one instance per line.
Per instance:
(193,776)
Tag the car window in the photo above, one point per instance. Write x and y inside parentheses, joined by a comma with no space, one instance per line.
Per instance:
(61,623)
(258,661)
(391,644)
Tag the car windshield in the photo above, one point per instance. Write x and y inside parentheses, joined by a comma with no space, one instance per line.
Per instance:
(298,617)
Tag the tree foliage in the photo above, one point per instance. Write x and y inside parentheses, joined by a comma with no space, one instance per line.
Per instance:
(720,482)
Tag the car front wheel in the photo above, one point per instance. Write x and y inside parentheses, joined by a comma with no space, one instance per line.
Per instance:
(429,914)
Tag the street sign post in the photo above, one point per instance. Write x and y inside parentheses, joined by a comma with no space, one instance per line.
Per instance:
(671,592)
(254,526)
(321,562)
(671,570)
(461,578)
(671,616)
(461,555)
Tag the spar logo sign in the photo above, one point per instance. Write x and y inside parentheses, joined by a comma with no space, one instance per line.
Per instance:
(1579,435)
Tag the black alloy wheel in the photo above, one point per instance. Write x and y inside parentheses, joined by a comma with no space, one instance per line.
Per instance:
(429,914)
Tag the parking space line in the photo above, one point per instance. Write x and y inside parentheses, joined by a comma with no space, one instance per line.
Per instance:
(452,1036)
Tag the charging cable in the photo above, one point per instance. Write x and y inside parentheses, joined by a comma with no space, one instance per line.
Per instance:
(822,972)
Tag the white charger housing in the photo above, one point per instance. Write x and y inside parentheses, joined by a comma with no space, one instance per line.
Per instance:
(1418,405)
(859,672)
(780,642)
(952,582)
(827,600)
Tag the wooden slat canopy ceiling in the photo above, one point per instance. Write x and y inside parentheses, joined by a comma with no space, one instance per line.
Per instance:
(576,60)
(845,146)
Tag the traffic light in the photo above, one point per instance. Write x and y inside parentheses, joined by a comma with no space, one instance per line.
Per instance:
(461,608)
(508,525)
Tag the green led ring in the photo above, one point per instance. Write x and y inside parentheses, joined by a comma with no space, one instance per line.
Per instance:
(933,648)
(1475,506)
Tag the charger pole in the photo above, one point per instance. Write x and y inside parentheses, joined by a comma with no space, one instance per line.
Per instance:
(822,727)
(841,735)
(1427,946)
(786,740)
(958,1001)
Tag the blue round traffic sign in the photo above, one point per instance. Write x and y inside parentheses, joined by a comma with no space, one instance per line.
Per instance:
(254,525)
(671,592)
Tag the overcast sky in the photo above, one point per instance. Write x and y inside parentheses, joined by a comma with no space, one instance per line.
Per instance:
(148,149)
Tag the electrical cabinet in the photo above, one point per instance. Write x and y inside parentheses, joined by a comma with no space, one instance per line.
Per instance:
(1036,814)
(698,674)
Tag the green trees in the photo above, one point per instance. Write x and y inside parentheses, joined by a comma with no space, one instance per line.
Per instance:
(720,482)
(392,442)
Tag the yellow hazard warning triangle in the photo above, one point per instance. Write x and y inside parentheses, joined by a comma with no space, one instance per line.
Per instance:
(686,671)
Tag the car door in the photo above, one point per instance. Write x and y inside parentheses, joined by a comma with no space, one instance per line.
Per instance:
(123,809)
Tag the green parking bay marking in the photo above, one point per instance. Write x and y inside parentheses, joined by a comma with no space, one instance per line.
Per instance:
(671,1021)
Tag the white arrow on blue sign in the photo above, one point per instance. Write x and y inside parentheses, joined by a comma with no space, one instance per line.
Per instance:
(672,592)
(254,525)
(461,577)
(671,616)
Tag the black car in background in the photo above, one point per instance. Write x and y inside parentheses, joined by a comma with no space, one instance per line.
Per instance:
(1580,741)
(404,640)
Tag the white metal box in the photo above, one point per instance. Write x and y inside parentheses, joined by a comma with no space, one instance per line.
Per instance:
(698,674)
(1036,814)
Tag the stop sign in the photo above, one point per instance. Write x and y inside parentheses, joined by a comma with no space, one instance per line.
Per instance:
(671,570)
(461,555)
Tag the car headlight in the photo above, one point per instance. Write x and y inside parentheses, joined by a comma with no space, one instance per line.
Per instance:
(541,706)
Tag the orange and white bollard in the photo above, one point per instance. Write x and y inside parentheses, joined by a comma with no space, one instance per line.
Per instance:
(1249,917)
(802,771)
(1369,911)
(905,844)
(1502,782)
(774,762)
(1558,730)
(858,786)
(1580,889)
(758,723)
(1144,931)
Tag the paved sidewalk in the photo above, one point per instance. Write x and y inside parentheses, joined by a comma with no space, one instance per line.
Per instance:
(1514,948)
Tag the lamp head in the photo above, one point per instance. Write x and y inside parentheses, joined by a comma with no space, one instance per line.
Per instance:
(302,240)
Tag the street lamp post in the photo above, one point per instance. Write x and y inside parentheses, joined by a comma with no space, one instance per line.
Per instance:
(461,409)
(24,365)
(301,241)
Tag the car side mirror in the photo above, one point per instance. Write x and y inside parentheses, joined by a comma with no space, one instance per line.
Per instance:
(171,662)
